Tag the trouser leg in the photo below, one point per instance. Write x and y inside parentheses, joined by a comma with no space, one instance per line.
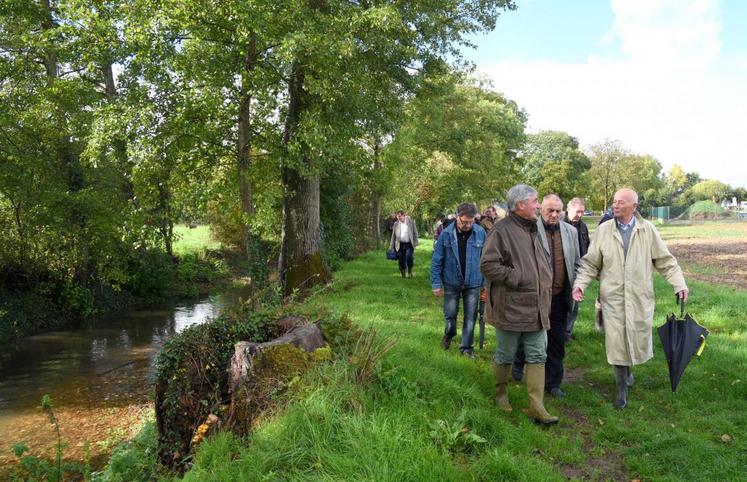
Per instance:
(470,297)
(451,308)
(555,343)
(517,368)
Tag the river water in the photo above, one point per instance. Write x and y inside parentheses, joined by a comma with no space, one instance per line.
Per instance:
(98,377)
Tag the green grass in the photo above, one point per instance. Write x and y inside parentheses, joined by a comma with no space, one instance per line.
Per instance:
(333,429)
(193,240)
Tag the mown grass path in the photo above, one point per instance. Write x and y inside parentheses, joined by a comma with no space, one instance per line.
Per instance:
(413,420)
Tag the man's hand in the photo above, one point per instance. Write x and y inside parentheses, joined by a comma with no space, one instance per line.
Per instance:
(683,294)
(438,292)
(578,294)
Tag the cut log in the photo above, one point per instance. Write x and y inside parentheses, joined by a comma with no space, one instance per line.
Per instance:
(258,369)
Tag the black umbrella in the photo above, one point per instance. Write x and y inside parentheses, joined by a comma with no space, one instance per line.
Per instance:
(681,339)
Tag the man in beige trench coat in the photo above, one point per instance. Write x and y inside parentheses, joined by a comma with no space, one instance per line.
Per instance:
(624,254)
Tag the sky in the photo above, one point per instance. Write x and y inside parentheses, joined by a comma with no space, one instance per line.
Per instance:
(666,78)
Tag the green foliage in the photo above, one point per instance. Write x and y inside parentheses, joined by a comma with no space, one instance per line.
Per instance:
(203,267)
(152,274)
(555,164)
(191,379)
(367,353)
(454,437)
(133,460)
(456,134)
(35,468)
(338,218)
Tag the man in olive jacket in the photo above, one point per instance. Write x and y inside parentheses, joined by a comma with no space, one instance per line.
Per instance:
(519,290)
(624,255)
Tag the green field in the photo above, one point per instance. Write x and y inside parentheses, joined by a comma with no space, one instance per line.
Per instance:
(192,240)
(418,418)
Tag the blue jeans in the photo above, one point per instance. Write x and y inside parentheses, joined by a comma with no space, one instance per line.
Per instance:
(470,297)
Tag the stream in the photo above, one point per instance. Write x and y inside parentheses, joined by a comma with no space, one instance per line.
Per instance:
(98,377)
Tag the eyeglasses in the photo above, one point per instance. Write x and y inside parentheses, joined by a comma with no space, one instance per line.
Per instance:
(467,222)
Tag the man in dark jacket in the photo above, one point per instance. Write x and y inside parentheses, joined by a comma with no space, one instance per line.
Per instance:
(455,274)
(573,213)
(519,290)
(404,240)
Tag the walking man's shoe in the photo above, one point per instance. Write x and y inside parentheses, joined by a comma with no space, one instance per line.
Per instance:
(446,342)
(621,387)
(535,388)
(556,392)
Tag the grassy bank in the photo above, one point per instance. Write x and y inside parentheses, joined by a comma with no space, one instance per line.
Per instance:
(427,414)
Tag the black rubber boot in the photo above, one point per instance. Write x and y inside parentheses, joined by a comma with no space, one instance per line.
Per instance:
(621,387)
(402,272)
(517,372)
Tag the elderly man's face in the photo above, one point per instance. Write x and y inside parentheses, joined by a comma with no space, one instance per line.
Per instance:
(551,209)
(623,205)
(527,209)
(576,212)
(490,213)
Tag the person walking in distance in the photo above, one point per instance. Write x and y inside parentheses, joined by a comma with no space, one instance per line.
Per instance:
(404,240)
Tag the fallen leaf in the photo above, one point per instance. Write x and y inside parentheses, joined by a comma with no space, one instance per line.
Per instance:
(601,422)
(726,438)
(735,382)
(640,409)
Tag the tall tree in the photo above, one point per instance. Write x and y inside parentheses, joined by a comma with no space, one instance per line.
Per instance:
(554,163)
(460,141)
(606,160)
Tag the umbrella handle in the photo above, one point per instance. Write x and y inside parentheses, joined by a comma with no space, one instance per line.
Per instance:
(681,302)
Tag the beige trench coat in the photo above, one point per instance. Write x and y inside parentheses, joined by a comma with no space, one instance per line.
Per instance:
(626,288)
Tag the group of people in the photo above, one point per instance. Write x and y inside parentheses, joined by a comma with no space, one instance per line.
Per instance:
(532,271)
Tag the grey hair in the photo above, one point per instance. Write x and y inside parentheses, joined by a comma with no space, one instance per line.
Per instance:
(519,193)
(467,209)
(576,201)
(552,196)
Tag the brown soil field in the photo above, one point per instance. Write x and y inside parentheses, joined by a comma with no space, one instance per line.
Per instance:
(716,260)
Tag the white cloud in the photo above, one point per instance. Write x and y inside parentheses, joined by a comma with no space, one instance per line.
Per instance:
(670,94)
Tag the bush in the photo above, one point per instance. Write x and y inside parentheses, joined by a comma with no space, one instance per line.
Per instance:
(201,268)
(191,377)
(151,274)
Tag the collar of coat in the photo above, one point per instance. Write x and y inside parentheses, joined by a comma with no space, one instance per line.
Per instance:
(527,224)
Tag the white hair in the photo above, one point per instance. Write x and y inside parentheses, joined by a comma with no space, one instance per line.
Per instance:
(519,193)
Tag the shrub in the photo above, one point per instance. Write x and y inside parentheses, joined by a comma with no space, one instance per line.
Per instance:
(191,377)
(151,274)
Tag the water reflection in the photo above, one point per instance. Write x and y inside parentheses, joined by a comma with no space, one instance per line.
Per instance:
(71,366)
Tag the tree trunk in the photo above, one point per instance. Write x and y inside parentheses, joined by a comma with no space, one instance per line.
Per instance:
(252,244)
(49,57)
(301,264)
(375,217)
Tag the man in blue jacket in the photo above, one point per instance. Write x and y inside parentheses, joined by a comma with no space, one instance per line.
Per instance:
(455,274)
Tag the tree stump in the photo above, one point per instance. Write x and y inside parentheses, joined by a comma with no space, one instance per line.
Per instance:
(257,370)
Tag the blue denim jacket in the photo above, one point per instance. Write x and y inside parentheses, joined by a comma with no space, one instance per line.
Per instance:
(445,269)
